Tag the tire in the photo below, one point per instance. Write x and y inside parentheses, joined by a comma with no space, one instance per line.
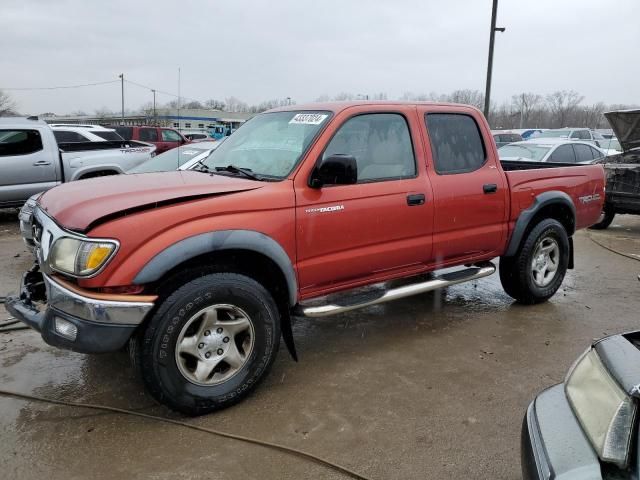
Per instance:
(523,279)
(176,340)
(605,219)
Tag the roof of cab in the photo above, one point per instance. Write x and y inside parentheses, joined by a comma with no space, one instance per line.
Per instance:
(337,107)
(21,121)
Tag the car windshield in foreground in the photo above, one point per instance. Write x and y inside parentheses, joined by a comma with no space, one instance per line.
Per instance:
(527,152)
(171,159)
(269,145)
(554,134)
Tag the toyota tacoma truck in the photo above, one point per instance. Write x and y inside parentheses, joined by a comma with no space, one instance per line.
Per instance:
(34,161)
(308,211)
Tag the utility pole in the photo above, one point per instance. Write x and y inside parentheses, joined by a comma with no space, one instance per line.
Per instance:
(155,118)
(179,123)
(122,90)
(522,112)
(492,36)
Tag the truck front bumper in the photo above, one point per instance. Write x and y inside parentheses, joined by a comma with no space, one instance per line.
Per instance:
(553,443)
(76,320)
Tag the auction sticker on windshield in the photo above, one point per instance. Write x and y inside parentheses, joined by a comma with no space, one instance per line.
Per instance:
(308,119)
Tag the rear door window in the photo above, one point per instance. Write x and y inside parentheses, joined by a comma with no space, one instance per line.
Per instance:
(563,154)
(125,132)
(19,142)
(596,153)
(148,135)
(456,143)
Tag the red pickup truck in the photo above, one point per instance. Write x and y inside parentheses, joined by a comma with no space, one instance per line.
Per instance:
(163,138)
(200,272)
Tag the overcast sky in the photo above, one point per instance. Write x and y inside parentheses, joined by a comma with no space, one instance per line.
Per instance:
(258,50)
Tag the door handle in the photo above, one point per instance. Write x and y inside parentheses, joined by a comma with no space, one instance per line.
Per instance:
(40,163)
(490,188)
(415,199)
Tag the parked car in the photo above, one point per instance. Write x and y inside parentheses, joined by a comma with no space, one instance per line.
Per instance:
(83,133)
(180,158)
(622,169)
(504,137)
(163,138)
(200,271)
(554,150)
(586,427)
(528,133)
(584,134)
(33,161)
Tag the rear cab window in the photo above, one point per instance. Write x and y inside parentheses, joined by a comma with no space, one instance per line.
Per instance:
(64,136)
(456,143)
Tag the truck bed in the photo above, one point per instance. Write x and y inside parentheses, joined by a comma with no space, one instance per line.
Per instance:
(582,183)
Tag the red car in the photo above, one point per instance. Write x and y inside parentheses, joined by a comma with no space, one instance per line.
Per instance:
(163,138)
(201,271)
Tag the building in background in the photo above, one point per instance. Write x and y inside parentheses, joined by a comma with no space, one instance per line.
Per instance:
(182,119)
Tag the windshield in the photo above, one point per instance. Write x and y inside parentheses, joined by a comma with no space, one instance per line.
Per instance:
(270,144)
(170,160)
(520,150)
(610,144)
(554,134)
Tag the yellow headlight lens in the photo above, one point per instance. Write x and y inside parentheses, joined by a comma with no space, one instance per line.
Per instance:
(97,255)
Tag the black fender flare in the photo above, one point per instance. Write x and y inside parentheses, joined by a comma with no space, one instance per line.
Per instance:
(208,242)
(526,216)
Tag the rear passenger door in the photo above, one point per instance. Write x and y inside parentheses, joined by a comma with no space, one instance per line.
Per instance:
(470,191)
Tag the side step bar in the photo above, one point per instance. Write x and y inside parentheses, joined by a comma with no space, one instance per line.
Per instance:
(441,281)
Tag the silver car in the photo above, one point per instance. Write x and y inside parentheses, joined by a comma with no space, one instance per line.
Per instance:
(554,150)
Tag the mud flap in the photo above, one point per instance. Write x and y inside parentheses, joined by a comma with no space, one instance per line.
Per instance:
(570,266)
(287,335)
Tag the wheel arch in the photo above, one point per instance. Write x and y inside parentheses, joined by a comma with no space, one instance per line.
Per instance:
(255,254)
(552,204)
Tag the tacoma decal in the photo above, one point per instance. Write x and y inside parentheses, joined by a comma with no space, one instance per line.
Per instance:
(590,198)
(332,208)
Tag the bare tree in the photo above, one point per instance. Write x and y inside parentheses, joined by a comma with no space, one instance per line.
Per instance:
(193,105)
(215,104)
(7,106)
(468,97)
(561,104)
(525,103)
(323,98)
(342,96)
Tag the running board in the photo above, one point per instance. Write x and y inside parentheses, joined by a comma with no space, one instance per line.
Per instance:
(441,281)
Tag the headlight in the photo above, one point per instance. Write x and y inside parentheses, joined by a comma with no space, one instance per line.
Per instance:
(80,257)
(604,410)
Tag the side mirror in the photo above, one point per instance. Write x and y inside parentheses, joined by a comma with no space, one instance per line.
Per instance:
(336,169)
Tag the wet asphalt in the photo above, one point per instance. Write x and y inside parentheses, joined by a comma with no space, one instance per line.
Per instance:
(433,386)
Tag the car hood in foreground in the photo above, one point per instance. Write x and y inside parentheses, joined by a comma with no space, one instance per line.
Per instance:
(626,126)
(77,205)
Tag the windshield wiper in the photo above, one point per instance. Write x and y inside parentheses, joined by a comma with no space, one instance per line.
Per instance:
(244,171)
(200,166)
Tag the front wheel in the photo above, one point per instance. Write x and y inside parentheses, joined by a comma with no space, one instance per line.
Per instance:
(537,270)
(210,343)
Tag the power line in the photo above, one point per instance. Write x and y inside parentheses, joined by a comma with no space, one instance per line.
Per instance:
(60,87)
(161,91)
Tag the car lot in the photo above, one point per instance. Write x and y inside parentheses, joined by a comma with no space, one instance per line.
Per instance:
(434,386)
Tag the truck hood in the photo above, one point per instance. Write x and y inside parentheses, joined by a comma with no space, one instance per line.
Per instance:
(77,205)
(626,126)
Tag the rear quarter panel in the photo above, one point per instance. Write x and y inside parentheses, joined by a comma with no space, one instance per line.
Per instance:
(583,183)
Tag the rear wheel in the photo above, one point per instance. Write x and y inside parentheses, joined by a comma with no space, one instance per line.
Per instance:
(210,343)
(537,270)
(608,213)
